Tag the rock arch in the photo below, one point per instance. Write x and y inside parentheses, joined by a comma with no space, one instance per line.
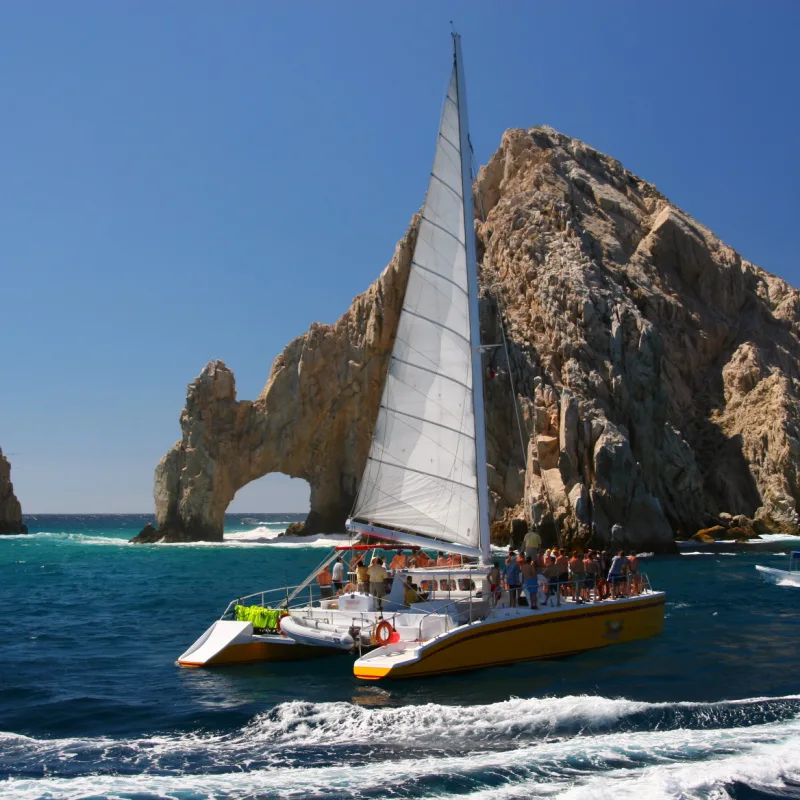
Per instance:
(308,421)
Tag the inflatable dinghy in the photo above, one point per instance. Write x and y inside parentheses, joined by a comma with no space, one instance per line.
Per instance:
(309,631)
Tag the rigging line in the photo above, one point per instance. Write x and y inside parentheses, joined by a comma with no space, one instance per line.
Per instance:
(500,313)
(488,257)
(439,275)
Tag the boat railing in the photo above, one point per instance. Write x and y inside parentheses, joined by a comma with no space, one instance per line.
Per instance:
(596,588)
(277,598)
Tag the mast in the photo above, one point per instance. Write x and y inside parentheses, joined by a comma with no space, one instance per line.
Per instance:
(474,315)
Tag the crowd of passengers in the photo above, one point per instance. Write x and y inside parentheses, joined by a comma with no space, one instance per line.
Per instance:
(532,572)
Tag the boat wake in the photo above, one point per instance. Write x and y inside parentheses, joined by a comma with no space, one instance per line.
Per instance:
(573,747)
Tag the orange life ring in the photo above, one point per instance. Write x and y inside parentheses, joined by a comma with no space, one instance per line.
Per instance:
(383,633)
(278,624)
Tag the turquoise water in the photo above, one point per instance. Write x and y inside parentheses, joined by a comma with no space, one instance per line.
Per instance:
(92,704)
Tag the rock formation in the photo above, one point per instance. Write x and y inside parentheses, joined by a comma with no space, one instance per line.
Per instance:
(10,509)
(655,371)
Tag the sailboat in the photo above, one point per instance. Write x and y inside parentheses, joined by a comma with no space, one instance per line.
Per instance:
(425,489)
(425,481)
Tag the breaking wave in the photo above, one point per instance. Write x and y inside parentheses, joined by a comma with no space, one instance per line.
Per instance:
(262,536)
(575,747)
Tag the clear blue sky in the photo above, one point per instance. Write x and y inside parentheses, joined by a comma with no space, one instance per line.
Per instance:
(191,180)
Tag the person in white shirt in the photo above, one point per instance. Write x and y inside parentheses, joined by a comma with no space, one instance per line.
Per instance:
(337,575)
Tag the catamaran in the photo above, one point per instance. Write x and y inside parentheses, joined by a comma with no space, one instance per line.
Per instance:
(425,487)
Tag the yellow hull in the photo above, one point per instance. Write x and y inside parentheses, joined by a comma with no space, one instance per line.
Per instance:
(527,637)
(255,652)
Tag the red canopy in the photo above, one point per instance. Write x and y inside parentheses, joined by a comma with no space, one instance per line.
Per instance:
(377,547)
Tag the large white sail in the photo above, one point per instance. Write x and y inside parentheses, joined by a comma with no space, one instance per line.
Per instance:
(421,472)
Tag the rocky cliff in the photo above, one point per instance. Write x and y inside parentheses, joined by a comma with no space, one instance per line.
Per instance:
(10,509)
(655,370)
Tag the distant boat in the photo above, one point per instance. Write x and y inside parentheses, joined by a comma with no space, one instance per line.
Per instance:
(424,488)
(250,521)
(782,577)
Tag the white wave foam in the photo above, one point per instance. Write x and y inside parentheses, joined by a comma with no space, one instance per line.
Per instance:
(258,537)
(653,764)
(696,553)
(73,538)
(777,537)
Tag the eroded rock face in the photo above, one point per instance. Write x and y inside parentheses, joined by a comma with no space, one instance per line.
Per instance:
(655,371)
(662,364)
(10,509)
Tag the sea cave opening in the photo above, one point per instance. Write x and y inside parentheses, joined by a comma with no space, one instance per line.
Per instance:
(267,506)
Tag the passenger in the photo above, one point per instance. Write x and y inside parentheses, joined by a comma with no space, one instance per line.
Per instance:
(577,573)
(591,570)
(399,561)
(636,577)
(616,574)
(410,594)
(532,544)
(422,559)
(441,561)
(412,561)
(338,574)
(456,560)
(513,578)
(562,562)
(551,573)
(324,581)
(493,577)
(362,576)
(349,588)
(377,581)
(529,584)
(602,585)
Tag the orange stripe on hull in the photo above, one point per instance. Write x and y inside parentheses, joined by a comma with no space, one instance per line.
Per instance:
(256,652)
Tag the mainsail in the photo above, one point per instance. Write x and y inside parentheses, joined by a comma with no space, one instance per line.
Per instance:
(422,472)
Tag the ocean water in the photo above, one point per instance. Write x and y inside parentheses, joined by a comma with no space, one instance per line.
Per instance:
(93,706)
